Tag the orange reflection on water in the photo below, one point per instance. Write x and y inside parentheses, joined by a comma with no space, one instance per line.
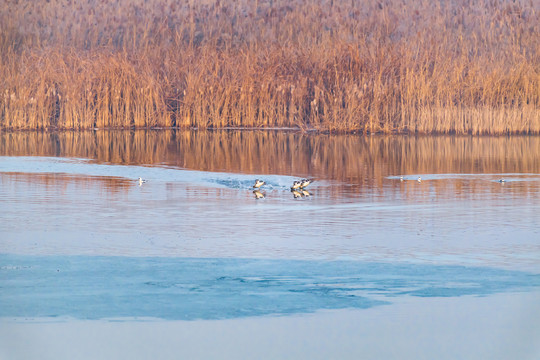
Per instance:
(61,182)
(355,161)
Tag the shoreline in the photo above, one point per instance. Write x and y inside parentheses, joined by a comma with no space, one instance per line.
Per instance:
(270,129)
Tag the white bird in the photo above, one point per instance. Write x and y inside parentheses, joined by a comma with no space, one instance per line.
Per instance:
(419,179)
(305,182)
(296,185)
(141,181)
(258,183)
(401,178)
(502,180)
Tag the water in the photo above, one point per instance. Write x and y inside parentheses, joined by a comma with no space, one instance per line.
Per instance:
(81,238)
(95,287)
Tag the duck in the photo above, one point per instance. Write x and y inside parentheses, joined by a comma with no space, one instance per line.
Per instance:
(401,178)
(305,182)
(502,180)
(419,179)
(296,185)
(296,194)
(141,181)
(258,183)
(305,193)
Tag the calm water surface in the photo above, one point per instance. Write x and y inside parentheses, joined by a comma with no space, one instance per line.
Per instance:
(71,206)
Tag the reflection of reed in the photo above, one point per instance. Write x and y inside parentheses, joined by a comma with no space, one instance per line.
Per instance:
(62,181)
(354,160)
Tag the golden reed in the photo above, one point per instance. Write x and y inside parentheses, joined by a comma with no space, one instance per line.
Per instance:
(463,66)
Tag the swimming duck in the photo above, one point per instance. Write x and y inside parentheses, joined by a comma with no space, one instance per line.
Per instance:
(141,181)
(401,178)
(502,180)
(305,193)
(258,183)
(419,179)
(296,194)
(305,182)
(296,185)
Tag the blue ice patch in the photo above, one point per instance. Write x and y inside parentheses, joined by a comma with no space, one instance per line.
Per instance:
(96,287)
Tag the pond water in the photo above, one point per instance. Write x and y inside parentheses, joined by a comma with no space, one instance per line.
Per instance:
(82,238)
(78,194)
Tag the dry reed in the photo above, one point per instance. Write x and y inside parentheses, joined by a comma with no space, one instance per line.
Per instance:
(389,66)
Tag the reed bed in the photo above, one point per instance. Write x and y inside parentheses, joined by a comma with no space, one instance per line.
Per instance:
(464,67)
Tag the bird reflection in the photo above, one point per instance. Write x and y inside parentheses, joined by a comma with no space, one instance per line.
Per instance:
(300,193)
(258,194)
